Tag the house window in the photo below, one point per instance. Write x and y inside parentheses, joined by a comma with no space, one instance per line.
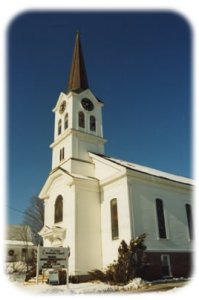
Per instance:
(59,127)
(11,252)
(114,219)
(92,123)
(24,254)
(66,121)
(61,154)
(59,209)
(189,220)
(81,119)
(165,265)
(161,219)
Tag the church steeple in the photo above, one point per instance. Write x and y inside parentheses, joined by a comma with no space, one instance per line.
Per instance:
(77,78)
(78,121)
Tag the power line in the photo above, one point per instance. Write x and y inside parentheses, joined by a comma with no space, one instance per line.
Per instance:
(19,211)
(22,212)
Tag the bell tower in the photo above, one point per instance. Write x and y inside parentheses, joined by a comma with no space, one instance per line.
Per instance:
(78,121)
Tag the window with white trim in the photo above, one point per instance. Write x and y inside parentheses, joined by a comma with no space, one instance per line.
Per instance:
(66,121)
(189,220)
(59,127)
(59,209)
(114,219)
(92,123)
(165,265)
(61,154)
(81,119)
(160,219)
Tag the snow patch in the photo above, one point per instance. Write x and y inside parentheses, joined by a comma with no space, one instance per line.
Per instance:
(80,288)
(135,284)
(18,266)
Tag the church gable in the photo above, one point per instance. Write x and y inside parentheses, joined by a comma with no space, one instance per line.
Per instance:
(62,97)
(54,176)
(105,169)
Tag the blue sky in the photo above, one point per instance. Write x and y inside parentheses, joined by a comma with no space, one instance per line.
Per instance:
(138,63)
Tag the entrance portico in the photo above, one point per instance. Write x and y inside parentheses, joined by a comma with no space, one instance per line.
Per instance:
(53,236)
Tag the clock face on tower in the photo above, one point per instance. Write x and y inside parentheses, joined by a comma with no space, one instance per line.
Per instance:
(62,107)
(87,104)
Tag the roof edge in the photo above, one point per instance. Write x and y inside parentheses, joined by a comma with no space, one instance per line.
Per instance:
(147,170)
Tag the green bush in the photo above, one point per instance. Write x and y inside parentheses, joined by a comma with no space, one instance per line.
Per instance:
(130,263)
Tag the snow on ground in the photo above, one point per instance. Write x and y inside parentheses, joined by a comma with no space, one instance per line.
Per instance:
(15,277)
(18,290)
(12,267)
(80,288)
(94,288)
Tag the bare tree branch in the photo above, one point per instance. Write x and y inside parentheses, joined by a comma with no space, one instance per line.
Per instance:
(34,217)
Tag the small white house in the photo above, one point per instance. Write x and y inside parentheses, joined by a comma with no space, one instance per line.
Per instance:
(93,202)
(19,243)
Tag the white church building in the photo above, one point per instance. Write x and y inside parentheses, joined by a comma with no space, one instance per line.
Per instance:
(93,202)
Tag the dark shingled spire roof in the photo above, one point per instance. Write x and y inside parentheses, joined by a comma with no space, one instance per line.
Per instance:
(77,78)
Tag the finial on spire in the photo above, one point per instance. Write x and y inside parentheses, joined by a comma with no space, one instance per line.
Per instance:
(77,77)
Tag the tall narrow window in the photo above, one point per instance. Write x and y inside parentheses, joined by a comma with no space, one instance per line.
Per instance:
(59,127)
(114,219)
(189,220)
(165,265)
(66,121)
(81,119)
(61,154)
(59,209)
(92,123)
(161,219)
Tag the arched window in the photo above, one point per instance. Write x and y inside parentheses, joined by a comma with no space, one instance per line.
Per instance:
(114,219)
(92,123)
(59,209)
(81,119)
(66,121)
(161,219)
(59,127)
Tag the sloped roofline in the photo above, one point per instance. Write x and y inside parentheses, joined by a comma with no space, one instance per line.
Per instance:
(146,170)
(54,174)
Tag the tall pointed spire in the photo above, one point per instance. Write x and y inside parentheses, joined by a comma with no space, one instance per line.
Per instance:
(77,78)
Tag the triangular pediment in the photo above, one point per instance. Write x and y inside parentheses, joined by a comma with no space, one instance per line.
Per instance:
(105,169)
(53,176)
(86,93)
(50,230)
(62,97)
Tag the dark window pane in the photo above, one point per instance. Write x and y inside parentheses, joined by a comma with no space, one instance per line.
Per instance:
(189,219)
(165,265)
(59,127)
(11,252)
(61,154)
(161,219)
(66,121)
(81,119)
(59,209)
(114,219)
(92,123)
